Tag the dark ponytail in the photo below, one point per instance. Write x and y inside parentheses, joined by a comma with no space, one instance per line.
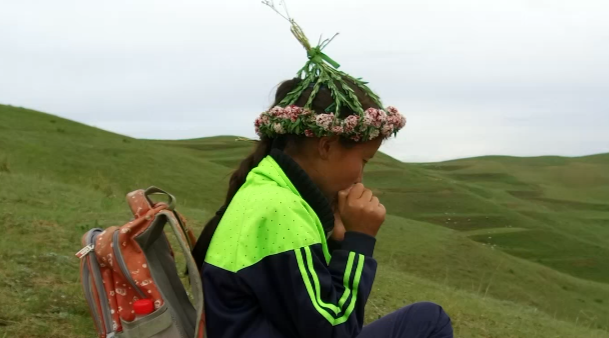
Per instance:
(263,148)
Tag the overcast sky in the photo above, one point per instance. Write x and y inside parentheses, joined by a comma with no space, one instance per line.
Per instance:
(473,77)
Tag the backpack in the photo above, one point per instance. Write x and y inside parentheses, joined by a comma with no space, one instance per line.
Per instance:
(123,264)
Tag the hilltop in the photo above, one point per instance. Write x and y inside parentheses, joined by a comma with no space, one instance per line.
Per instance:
(511,247)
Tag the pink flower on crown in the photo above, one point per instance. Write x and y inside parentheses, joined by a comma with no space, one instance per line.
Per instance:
(395,120)
(387,129)
(291,112)
(276,111)
(350,123)
(374,134)
(374,117)
(337,130)
(324,120)
(298,113)
(356,138)
(402,122)
(288,110)
(392,110)
(278,128)
(369,116)
(265,119)
(309,133)
(363,127)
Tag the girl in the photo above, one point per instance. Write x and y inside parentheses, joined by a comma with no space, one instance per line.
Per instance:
(290,252)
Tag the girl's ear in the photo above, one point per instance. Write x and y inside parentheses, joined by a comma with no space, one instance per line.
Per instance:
(326,146)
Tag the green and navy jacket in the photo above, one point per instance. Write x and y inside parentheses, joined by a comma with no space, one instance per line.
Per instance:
(269,271)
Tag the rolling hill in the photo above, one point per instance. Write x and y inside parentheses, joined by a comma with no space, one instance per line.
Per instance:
(511,247)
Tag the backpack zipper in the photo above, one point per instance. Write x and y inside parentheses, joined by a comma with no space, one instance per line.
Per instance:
(123,266)
(85,251)
(105,316)
(86,279)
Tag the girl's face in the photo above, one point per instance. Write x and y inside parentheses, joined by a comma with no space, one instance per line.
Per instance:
(334,167)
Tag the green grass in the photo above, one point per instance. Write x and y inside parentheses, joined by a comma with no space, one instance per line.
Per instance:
(511,247)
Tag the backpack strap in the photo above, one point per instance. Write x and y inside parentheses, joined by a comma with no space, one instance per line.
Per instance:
(194,278)
(157,191)
(190,236)
(140,202)
(178,301)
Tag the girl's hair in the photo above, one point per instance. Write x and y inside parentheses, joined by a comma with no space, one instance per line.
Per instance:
(322,100)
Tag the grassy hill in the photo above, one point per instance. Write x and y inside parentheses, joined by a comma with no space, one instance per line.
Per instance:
(511,247)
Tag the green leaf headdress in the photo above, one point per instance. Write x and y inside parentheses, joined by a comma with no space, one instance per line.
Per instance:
(321,71)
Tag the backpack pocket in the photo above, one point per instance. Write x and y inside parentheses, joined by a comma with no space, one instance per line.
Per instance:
(120,260)
(159,324)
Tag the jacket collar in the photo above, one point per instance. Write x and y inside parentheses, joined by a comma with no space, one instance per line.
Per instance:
(307,189)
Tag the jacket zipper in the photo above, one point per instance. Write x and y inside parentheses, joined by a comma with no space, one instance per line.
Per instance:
(123,266)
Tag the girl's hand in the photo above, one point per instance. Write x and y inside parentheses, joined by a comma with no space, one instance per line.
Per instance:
(338,234)
(360,210)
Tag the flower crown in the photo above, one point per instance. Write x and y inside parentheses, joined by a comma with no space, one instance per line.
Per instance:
(321,71)
(302,121)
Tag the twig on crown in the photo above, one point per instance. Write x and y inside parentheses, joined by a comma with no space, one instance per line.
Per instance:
(271,4)
(326,42)
(285,6)
(300,35)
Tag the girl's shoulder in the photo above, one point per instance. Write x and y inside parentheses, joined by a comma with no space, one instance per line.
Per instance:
(260,224)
